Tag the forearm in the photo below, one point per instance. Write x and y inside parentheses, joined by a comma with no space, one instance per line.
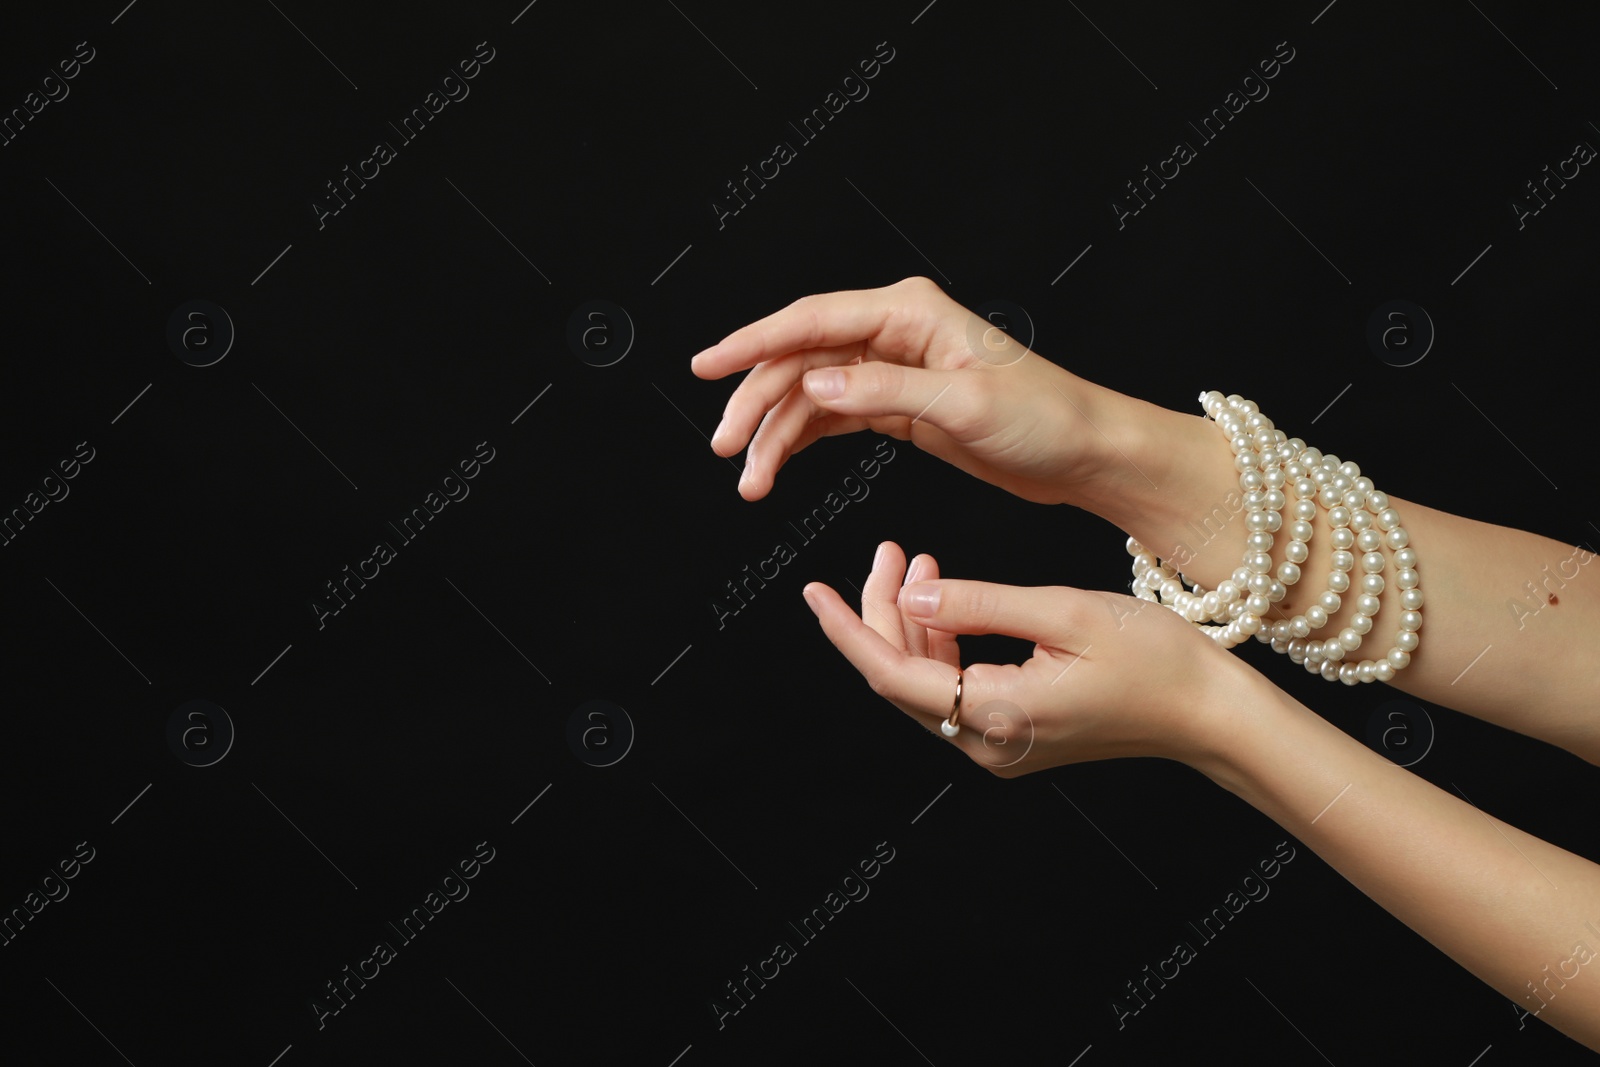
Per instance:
(1521,914)
(1503,608)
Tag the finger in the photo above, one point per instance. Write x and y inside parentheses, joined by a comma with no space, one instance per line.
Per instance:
(940,645)
(956,401)
(823,320)
(764,387)
(916,633)
(878,593)
(919,687)
(1049,615)
(773,443)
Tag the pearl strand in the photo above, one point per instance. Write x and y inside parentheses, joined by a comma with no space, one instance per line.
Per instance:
(1361,518)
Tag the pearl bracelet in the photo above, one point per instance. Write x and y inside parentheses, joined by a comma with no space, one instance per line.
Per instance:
(1361,518)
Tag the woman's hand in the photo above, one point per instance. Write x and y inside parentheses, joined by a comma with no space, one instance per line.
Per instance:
(909,362)
(1110,675)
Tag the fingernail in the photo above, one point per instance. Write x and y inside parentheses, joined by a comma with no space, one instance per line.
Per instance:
(718,431)
(827,384)
(811,601)
(744,475)
(877,558)
(920,599)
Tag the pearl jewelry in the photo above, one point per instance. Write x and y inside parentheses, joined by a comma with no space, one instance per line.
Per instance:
(1279,474)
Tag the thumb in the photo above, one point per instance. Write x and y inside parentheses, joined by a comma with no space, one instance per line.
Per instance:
(1047,615)
(946,398)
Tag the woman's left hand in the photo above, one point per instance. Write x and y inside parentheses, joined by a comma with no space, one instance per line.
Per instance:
(1110,675)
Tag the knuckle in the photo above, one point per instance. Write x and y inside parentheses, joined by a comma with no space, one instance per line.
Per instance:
(982,606)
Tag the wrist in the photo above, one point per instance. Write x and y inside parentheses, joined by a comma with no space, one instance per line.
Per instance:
(1167,479)
(1238,714)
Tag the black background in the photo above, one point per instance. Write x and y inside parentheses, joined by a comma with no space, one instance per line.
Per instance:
(377,350)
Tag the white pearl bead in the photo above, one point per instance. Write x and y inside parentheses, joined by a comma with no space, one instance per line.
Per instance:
(1288,573)
(1277,591)
(1341,483)
(1349,673)
(1342,539)
(1361,624)
(1297,651)
(1364,484)
(1255,520)
(1372,562)
(1250,479)
(1372,583)
(1397,538)
(1275,499)
(1228,590)
(1383,670)
(1316,616)
(949,729)
(1272,479)
(1341,560)
(1369,541)
(1349,639)
(1406,557)
(1330,670)
(1360,520)
(1328,496)
(1367,604)
(1406,640)
(1305,487)
(1170,589)
(1330,602)
(1354,498)
(1321,477)
(1311,456)
(1244,462)
(1349,469)
(1377,500)
(1411,620)
(1339,581)
(1241,574)
(1270,457)
(1280,645)
(1399,658)
(1257,604)
(1304,510)
(1411,599)
(1388,519)
(1274,521)
(1338,516)
(1332,650)
(1296,551)
(1407,579)
(1259,541)
(1211,604)
(1367,669)
(1299,627)
(1248,623)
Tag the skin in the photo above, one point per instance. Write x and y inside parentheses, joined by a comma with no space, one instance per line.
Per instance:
(1513,909)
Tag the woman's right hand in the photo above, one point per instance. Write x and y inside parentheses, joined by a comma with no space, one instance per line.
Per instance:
(915,365)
